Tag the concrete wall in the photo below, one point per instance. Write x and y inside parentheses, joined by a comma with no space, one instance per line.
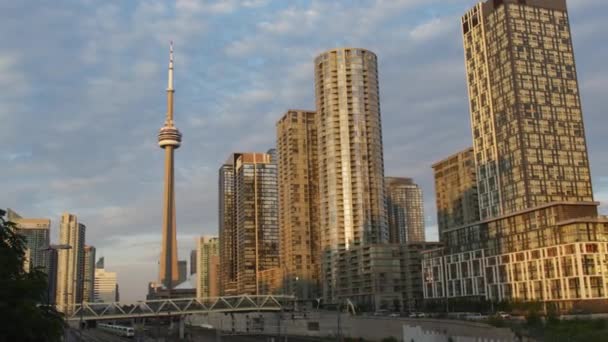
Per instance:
(321,324)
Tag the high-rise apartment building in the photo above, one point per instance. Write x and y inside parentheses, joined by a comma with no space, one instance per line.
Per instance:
(227,227)
(539,237)
(299,203)
(405,209)
(37,238)
(257,227)
(352,208)
(89,274)
(527,123)
(193,261)
(456,190)
(70,265)
(207,282)
(249,232)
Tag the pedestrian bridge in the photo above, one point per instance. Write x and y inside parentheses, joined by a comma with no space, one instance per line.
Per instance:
(178,307)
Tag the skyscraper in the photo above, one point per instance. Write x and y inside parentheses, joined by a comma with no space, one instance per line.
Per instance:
(526,116)
(227,227)
(182,266)
(299,203)
(89,274)
(257,228)
(352,207)
(456,190)
(539,237)
(193,261)
(70,265)
(105,286)
(207,284)
(169,138)
(405,210)
(37,237)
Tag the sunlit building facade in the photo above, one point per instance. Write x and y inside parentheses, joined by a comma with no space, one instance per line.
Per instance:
(37,238)
(227,227)
(207,261)
(70,263)
(456,190)
(352,209)
(299,203)
(539,237)
(257,227)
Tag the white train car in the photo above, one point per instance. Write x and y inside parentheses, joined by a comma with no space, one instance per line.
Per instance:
(119,330)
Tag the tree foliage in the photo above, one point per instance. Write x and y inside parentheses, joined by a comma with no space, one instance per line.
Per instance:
(24,315)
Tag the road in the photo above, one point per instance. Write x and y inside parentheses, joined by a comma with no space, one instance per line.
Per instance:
(93,335)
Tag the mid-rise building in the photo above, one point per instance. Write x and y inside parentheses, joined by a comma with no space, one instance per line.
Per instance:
(383,276)
(207,261)
(70,265)
(352,208)
(405,208)
(539,237)
(89,274)
(105,286)
(37,238)
(299,204)
(51,271)
(456,190)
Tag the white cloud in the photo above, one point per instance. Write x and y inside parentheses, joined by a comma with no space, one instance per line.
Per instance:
(431,29)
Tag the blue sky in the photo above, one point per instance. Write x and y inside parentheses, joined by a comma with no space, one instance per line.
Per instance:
(83,98)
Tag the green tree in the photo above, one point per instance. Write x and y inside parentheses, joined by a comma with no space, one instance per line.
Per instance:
(23,316)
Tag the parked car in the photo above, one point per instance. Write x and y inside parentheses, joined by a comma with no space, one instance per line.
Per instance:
(503,315)
(475,316)
(381,313)
(394,314)
(417,315)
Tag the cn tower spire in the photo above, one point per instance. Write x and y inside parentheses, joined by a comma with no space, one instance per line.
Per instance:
(169,139)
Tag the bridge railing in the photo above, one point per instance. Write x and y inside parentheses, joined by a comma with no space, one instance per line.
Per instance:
(178,306)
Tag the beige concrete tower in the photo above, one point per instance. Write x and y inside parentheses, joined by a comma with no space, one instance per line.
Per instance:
(352,208)
(169,138)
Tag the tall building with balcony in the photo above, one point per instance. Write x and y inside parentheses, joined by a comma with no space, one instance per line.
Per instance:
(352,209)
(249,231)
(37,238)
(299,203)
(227,227)
(405,209)
(70,264)
(539,237)
(257,226)
(456,190)
(207,261)
(527,123)
(89,274)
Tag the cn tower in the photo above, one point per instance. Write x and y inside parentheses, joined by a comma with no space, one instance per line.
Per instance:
(169,139)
